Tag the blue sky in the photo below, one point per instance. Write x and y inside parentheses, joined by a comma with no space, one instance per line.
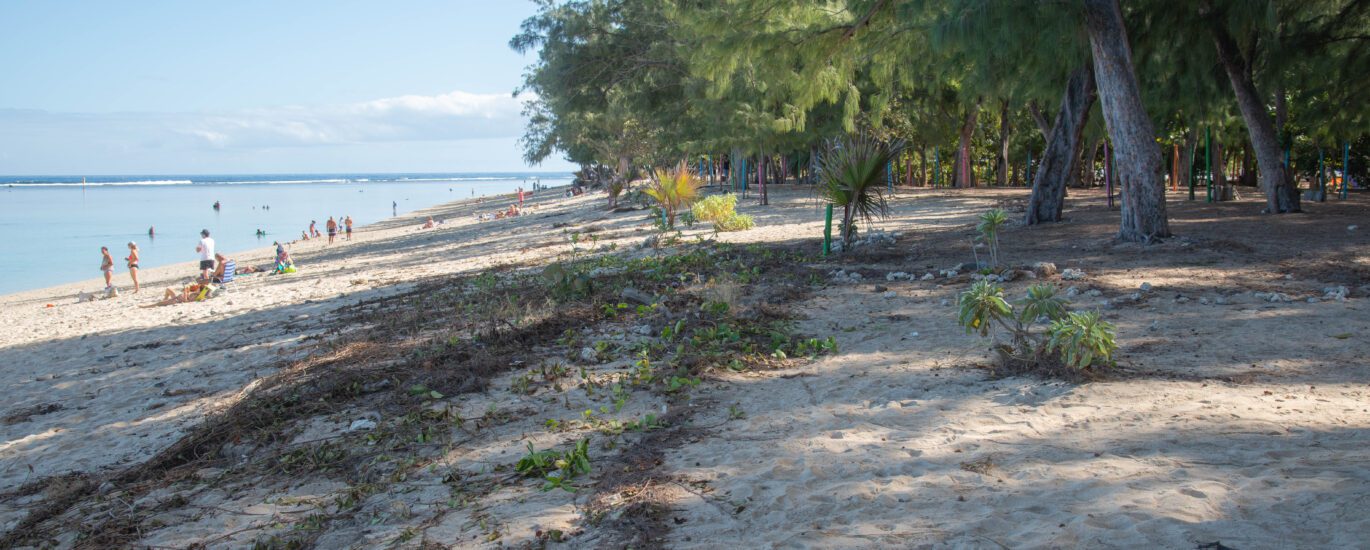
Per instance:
(100,87)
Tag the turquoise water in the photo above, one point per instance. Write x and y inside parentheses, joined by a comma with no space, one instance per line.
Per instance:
(52,228)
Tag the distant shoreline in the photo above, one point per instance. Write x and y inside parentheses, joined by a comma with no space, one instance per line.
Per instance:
(157,275)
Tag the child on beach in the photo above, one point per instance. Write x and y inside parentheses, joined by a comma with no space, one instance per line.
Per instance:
(132,260)
(206,250)
(107,266)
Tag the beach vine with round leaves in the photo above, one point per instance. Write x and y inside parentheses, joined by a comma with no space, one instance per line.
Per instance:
(1041,333)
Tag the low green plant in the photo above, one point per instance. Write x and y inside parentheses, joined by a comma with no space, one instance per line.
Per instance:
(1041,332)
(565,283)
(721,210)
(990,223)
(735,222)
(556,468)
(674,191)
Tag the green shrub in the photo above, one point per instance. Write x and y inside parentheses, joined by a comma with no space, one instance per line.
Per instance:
(722,211)
(715,207)
(1076,340)
(736,222)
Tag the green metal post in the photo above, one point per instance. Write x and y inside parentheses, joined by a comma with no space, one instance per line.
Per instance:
(827,231)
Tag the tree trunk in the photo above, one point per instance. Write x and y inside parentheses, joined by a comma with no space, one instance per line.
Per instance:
(1281,195)
(1191,144)
(1089,173)
(1219,171)
(1248,178)
(1001,174)
(1136,157)
(1062,150)
(965,176)
(1281,111)
(923,167)
(1040,119)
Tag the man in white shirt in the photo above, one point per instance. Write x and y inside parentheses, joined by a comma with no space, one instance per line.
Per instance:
(206,250)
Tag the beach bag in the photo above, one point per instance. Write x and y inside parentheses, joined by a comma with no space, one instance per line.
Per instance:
(289,269)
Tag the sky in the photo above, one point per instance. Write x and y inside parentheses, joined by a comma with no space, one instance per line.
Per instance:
(163,87)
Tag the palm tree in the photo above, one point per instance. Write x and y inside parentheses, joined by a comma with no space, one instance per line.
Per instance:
(674,190)
(851,173)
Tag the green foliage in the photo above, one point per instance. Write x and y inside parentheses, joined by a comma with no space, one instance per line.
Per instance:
(567,284)
(851,175)
(721,210)
(715,207)
(1083,340)
(990,223)
(1076,340)
(735,222)
(673,191)
(556,468)
(981,305)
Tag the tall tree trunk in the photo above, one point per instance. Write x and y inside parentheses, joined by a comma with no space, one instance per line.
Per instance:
(1062,150)
(1089,172)
(1219,171)
(1136,157)
(1281,195)
(1248,166)
(965,176)
(1041,120)
(923,167)
(1001,173)
(1281,111)
(1191,144)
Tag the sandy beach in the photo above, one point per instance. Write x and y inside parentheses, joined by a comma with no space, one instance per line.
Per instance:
(1232,416)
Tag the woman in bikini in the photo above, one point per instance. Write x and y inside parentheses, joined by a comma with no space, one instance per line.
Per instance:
(188,294)
(107,266)
(132,260)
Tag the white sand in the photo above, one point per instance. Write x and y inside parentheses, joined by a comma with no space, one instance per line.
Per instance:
(1251,427)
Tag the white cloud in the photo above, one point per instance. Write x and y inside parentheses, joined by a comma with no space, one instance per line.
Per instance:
(37,139)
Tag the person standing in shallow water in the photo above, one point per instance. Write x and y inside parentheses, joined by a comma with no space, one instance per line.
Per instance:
(107,266)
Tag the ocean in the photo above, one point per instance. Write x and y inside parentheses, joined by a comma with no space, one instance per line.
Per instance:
(52,227)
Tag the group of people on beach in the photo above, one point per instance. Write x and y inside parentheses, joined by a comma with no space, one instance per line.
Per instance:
(331,226)
(212,270)
(107,266)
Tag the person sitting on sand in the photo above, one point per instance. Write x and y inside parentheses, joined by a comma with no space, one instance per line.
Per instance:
(282,258)
(189,293)
(218,276)
(107,266)
(429,223)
